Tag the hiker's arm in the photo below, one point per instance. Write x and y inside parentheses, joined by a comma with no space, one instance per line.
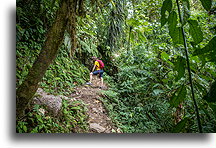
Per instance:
(93,68)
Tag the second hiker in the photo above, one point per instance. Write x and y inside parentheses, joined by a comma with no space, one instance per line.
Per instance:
(97,70)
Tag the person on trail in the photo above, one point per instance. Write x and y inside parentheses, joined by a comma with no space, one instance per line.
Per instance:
(98,67)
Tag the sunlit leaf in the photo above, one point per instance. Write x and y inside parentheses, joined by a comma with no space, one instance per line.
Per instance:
(24,128)
(164,56)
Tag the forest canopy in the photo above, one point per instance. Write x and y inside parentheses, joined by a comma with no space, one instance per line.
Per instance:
(159,56)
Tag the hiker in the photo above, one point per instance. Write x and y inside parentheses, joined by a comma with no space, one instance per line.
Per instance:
(98,66)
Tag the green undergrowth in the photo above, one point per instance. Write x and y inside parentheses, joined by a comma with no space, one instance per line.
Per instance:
(144,109)
(145,98)
(136,101)
(71,119)
(152,116)
(64,75)
(61,77)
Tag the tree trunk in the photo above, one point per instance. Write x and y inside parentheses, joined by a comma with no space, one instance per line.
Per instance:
(48,53)
(72,27)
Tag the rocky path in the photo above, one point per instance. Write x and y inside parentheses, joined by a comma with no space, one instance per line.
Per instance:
(98,120)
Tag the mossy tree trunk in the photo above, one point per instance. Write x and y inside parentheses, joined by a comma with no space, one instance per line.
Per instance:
(48,53)
(72,26)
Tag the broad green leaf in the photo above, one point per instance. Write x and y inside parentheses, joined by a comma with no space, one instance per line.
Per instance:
(180,67)
(172,21)
(167,6)
(179,96)
(173,30)
(164,56)
(210,96)
(199,51)
(177,36)
(163,20)
(201,88)
(209,50)
(180,126)
(133,22)
(195,31)
(24,128)
(206,4)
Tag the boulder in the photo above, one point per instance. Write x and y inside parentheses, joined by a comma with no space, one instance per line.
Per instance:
(53,103)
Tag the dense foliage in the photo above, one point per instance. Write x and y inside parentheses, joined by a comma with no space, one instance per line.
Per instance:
(38,120)
(142,44)
(152,92)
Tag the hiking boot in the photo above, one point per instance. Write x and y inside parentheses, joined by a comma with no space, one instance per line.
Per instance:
(88,83)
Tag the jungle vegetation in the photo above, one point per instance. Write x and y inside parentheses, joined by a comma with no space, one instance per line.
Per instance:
(159,55)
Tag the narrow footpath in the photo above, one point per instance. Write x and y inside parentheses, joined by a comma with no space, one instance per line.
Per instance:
(98,120)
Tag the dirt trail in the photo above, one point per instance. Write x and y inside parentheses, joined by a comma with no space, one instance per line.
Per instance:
(98,120)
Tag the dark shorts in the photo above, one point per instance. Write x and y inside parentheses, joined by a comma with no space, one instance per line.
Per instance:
(100,72)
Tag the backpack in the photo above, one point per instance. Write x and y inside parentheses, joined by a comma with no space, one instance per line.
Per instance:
(101,64)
